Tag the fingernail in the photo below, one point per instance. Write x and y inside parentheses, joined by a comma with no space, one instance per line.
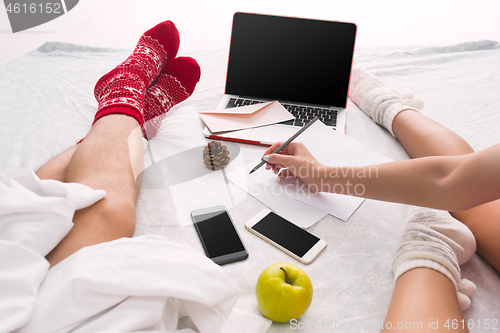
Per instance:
(266,158)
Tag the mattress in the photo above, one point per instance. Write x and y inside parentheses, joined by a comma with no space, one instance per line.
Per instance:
(47,104)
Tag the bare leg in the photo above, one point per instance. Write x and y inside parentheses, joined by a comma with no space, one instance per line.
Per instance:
(422,136)
(110,157)
(56,167)
(422,294)
(421,297)
(107,159)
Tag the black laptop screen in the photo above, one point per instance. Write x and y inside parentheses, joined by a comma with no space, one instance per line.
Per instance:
(290,59)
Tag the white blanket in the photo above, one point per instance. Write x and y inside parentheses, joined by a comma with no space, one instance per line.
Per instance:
(139,284)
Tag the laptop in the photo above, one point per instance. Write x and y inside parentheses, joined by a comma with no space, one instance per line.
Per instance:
(305,64)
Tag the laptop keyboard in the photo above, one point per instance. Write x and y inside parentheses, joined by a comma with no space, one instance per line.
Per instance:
(302,114)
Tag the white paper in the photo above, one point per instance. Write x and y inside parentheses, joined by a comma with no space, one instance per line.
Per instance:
(335,149)
(341,151)
(279,197)
(329,148)
(340,206)
(209,190)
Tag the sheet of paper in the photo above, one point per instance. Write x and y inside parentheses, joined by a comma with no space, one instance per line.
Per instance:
(245,117)
(329,148)
(199,187)
(293,200)
(340,206)
(341,151)
(332,148)
(264,186)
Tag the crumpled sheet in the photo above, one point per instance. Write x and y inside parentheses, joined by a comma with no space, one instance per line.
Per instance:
(132,284)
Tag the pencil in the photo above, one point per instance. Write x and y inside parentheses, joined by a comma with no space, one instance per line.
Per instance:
(286,143)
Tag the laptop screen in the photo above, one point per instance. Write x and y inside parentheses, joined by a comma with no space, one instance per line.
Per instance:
(290,59)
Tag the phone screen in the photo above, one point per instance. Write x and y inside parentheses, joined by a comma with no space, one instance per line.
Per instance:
(286,234)
(218,234)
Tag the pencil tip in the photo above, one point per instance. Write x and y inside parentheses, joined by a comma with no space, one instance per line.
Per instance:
(251,171)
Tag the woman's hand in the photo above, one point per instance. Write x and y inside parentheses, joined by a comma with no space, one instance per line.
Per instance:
(453,183)
(295,160)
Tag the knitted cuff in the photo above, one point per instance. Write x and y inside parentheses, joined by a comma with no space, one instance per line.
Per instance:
(379,101)
(414,260)
(391,112)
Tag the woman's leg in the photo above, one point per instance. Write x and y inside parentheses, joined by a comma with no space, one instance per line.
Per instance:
(424,291)
(423,300)
(422,136)
(427,272)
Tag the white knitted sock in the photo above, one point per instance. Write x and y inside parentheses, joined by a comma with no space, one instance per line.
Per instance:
(377,100)
(434,239)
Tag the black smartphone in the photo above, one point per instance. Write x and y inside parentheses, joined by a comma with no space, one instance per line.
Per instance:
(286,236)
(218,235)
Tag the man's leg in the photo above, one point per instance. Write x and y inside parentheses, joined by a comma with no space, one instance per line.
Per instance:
(137,93)
(422,136)
(56,167)
(107,159)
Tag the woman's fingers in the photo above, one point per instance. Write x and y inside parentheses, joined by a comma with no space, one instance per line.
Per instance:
(291,156)
(272,148)
(284,174)
(288,150)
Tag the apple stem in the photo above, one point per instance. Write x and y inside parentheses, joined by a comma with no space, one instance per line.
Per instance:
(286,275)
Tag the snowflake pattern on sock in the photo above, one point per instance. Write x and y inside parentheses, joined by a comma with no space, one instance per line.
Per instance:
(126,84)
(174,85)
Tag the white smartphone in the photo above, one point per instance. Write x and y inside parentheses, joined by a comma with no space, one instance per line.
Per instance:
(218,235)
(286,236)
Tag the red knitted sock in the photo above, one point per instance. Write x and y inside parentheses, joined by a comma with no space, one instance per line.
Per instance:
(122,90)
(174,85)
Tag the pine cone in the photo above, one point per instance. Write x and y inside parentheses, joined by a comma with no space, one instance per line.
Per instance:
(215,155)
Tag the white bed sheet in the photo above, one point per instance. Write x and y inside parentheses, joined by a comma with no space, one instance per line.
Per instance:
(46,104)
(143,283)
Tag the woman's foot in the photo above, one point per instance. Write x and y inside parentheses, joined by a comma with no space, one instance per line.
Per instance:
(434,239)
(377,100)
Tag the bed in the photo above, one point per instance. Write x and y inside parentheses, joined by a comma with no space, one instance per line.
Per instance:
(47,104)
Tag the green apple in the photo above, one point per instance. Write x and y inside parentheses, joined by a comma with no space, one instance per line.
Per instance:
(284,292)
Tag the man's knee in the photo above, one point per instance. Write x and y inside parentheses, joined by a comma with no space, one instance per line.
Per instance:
(118,216)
